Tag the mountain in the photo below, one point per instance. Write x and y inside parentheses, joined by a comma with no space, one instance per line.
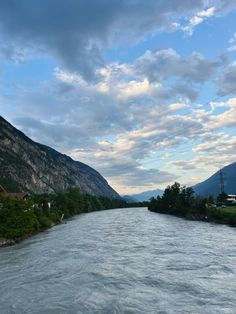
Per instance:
(211,186)
(145,196)
(29,166)
(129,199)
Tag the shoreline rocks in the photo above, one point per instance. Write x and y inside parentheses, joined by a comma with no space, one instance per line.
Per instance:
(7,242)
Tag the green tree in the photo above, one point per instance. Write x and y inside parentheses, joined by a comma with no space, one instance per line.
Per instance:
(222,198)
(17,218)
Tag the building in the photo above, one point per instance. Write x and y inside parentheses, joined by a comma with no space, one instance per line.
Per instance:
(231,198)
(20,196)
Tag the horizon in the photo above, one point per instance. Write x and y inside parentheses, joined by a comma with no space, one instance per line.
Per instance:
(142,92)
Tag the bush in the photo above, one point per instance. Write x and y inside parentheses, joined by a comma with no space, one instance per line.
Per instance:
(16,219)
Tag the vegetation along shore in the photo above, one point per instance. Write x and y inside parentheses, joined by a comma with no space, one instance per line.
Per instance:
(21,218)
(180,201)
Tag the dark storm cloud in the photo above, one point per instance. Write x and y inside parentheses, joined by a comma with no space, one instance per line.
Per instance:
(75,32)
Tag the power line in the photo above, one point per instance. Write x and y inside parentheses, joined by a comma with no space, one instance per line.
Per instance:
(222,185)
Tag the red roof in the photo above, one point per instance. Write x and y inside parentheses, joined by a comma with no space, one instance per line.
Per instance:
(18,195)
(21,195)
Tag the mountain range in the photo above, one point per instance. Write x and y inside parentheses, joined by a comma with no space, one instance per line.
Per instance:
(32,167)
(28,166)
(212,185)
(209,187)
(142,197)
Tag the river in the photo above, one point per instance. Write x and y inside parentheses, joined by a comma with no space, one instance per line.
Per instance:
(122,261)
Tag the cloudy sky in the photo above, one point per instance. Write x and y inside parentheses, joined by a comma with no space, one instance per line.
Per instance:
(143,91)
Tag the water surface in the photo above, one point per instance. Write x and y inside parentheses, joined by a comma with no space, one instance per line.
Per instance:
(122,261)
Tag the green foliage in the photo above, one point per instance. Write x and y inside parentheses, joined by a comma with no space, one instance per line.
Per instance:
(16,218)
(222,197)
(224,215)
(177,200)
(180,201)
(20,218)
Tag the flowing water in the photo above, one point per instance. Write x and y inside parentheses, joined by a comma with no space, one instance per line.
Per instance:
(122,261)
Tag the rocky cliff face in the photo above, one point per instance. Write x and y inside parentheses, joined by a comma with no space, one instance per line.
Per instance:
(29,166)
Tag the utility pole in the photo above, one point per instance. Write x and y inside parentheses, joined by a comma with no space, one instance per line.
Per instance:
(222,185)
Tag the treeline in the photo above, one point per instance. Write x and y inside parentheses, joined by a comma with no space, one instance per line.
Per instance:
(21,218)
(180,201)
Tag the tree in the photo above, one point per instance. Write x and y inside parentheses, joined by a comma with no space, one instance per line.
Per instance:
(222,197)
(178,200)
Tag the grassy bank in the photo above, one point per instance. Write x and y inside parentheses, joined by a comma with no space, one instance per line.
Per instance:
(223,215)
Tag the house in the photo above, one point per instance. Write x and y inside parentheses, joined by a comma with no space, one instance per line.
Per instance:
(20,196)
(231,198)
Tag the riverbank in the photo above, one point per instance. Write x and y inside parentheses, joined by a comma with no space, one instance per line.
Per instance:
(223,215)
(7,242)
(180,201)
(20,219)
(218,215)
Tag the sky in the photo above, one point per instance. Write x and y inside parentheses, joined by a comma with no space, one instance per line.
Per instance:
(142,91)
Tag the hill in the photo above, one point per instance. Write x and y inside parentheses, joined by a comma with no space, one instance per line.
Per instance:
(211,186)
(129,199)
(145,196)
(32,167)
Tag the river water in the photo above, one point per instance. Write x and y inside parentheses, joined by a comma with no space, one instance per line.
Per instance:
(122,261)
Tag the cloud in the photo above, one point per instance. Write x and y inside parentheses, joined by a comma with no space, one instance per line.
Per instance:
(162,65)
(118,161)
(232,43)
(117,116)
(212,8)
(185,90)
(226,82)
(10,53)
(75,33)
(219,117)
(226,118)
(184,165)
(199,18)
(215,153)
(121,160)
(68,115)
(55,134)
(83,127)
(223,7)
(131,113)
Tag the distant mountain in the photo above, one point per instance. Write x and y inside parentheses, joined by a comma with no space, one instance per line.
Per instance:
(129,199)
(145,196)
(211,186)
(29,166)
